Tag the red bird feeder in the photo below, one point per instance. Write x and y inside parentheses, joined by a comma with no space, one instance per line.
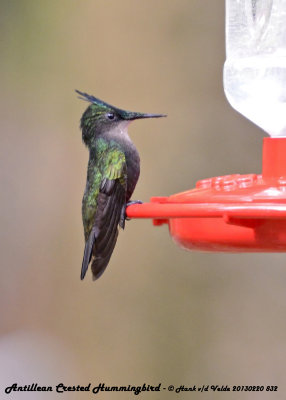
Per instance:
(243,213)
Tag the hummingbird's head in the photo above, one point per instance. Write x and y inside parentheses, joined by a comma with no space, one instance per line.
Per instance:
(101,117)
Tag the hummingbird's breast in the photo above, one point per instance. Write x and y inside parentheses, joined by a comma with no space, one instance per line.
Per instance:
(133,170)
(120,136)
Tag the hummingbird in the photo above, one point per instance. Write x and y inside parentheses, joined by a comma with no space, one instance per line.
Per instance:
(112,174)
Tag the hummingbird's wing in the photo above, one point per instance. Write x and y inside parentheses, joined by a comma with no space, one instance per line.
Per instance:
(110,202)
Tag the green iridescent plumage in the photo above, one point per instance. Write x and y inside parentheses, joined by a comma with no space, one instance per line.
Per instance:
(108,163)
(112,174)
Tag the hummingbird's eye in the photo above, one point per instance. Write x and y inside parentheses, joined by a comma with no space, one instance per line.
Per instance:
(110,116)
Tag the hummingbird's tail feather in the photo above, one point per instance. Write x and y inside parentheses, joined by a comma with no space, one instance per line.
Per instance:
(100,262)
(103,236)
(108,221)
(87,253)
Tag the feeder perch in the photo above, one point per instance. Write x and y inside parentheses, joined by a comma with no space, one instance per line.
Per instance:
(243,213)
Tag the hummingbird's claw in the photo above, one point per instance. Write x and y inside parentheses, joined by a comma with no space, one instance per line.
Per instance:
(123,216)
(130,203)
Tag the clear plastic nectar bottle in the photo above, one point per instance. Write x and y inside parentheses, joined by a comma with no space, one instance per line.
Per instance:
(255,67)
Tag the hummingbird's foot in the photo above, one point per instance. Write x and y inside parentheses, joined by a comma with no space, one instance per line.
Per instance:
(130,203)
(123,216)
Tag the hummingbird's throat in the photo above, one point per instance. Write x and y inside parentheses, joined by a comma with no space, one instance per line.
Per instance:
(120,132)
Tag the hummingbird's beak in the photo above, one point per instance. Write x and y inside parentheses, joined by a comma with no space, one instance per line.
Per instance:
(130,116)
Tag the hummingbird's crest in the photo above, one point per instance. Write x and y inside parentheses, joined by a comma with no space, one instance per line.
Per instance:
(92,99)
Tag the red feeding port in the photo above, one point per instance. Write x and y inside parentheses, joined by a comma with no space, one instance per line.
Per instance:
(231,213)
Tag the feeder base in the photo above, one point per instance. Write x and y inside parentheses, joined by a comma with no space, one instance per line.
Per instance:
(231,213)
